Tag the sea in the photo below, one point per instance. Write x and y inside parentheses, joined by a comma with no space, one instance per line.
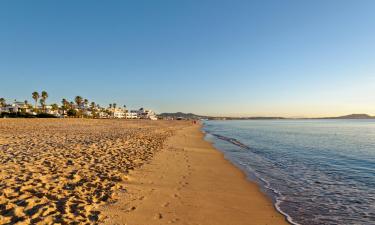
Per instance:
(317,172)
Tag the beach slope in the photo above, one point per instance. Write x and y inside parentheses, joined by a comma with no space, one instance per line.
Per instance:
(190,182)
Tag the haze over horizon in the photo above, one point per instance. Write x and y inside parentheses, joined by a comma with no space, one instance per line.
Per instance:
(217,58)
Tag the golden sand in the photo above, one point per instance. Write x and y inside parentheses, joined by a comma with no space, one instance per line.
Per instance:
(61,170)
(77,171)
(190,183)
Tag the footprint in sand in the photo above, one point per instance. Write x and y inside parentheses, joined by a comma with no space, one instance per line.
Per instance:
(166,204)
(159,216)
(175,220)
(176,196)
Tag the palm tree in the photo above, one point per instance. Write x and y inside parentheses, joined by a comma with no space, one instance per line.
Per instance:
(114,105)
(2,102)
(54,107)
(86,102)
(44,97)
(93,110)
(27,105)
(42,103)
(35,96)
(65,105)
(110,106)
(78,99)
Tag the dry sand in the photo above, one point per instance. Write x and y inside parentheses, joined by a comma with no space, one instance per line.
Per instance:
(61,170)
(190,182)
(77,171)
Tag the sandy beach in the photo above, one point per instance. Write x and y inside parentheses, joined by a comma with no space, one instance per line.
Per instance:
(61,170)
(190,182)
(84,171)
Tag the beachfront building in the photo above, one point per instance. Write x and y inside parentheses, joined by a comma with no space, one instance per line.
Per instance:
(103,115)
(133,114)
(16,107)
(117,113)
(87,113)
(146,114)
(50,110)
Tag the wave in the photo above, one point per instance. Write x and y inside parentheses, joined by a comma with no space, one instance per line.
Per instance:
(278,197)
(231,140)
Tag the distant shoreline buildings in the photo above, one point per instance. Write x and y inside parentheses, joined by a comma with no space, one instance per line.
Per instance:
(79,108)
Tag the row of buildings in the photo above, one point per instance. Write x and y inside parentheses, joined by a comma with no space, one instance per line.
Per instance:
(122,113)
(119,113)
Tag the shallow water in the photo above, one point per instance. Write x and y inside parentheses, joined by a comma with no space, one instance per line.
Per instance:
(316,171)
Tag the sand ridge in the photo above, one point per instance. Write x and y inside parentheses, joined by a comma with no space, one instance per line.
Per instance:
(61,170)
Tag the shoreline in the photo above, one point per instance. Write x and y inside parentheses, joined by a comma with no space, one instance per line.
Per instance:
(191,182)
(251,177)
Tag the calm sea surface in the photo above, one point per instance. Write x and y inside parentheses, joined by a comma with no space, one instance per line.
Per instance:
(316,171)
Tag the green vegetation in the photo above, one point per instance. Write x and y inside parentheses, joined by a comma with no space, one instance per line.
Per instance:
(79,108)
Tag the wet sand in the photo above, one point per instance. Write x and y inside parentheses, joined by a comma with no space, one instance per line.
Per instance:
(59,171)
(190,182)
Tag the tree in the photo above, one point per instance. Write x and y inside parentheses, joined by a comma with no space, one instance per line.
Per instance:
(2,102)
(114,105)
(42,103)
(93,109)
(64,105)
(110,106)
(44,97)
(86,102)
(72,112)
(54,107)
(27,105)
(35,96)
(78,99)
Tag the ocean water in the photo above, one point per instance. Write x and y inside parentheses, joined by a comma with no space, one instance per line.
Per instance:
(317,172)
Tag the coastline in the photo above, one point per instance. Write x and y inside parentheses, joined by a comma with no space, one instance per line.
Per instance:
(190,182)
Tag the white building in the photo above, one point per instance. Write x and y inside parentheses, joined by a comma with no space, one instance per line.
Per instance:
(118,113)
(16,107)
(87,113)
(141,114)
(49,110)
(103,115)
(133,114)
(146,114)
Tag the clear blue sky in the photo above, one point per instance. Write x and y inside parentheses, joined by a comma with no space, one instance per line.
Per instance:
(259,58)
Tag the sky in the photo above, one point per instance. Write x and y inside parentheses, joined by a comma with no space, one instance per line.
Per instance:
(210,57)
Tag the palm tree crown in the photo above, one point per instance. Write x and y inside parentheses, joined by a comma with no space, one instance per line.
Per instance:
(35,96)
(78,99)
(2,102)
(44,95)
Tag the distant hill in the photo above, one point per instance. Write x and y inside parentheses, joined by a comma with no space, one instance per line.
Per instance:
(183,115)
(351,116)
(192,116)
(197,117)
